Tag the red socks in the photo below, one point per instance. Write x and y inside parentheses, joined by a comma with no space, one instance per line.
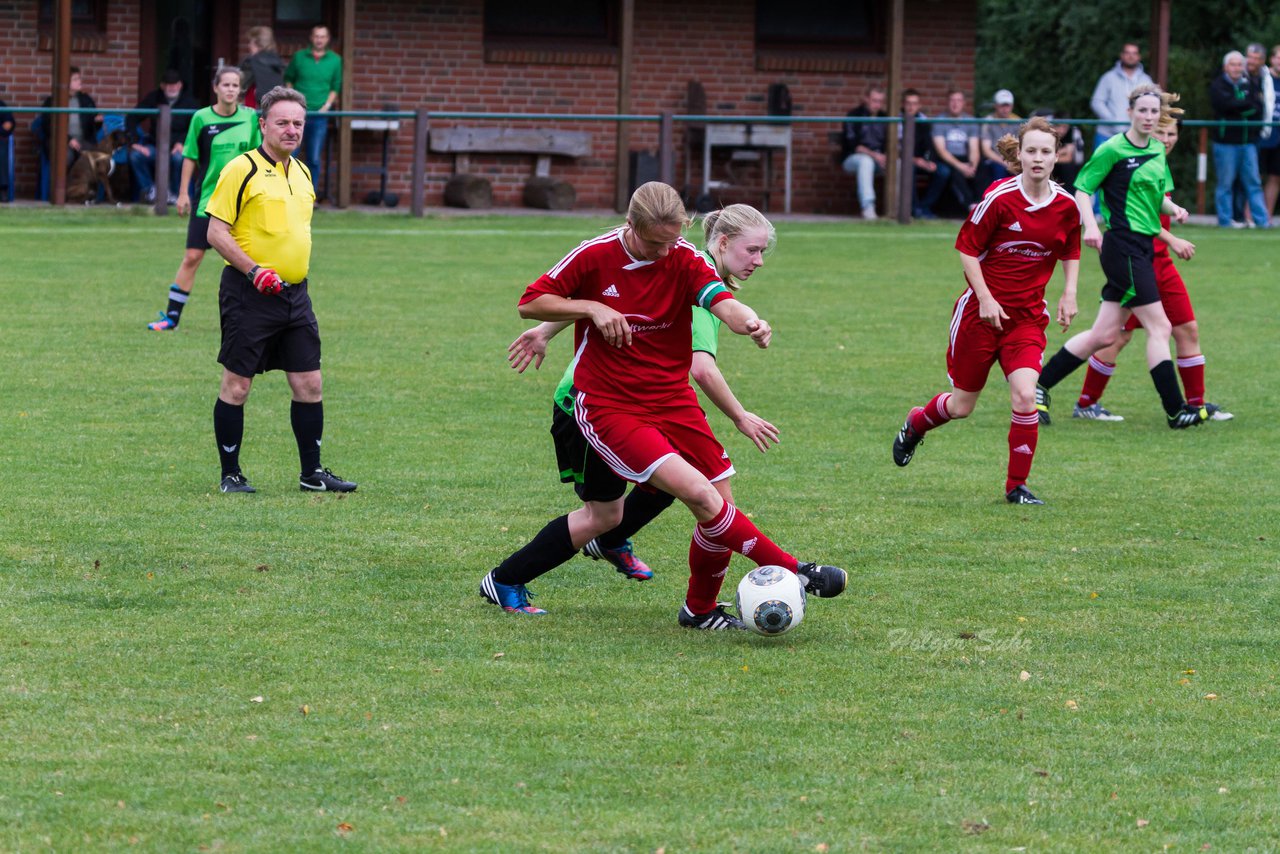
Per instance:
(1095,381)
(933,415)
(1024,429)
(709,554)
(1191,370)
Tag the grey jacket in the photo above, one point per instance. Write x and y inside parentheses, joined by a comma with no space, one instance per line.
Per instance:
(1111,97)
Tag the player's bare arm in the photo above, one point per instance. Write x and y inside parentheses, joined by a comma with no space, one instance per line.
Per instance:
(613,327)
(1067,308)
(1184,249)
(531,345)
(743,320)
(1174,210)
(989,311)
(1092,234)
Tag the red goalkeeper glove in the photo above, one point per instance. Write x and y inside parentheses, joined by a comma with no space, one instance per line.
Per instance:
(266,280)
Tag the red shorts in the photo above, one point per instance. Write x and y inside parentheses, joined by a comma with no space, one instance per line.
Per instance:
(1173,295)
(634,441)
(975,345)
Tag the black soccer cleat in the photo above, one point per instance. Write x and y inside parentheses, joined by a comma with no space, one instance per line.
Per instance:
(1188,416)
(716,620)
(235,482)
(822,581)
(1021,495)
(323,480)
(1042,404)
(907,440)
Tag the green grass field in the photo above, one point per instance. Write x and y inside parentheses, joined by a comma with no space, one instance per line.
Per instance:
(182,670)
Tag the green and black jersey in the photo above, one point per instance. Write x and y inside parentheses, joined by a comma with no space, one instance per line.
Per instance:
(214,140)
(1133,181)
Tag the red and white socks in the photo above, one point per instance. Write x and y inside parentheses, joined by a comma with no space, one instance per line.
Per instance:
(934,414)
(1024,430)
(712,546)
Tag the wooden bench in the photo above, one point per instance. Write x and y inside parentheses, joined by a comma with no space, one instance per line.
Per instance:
(468,190)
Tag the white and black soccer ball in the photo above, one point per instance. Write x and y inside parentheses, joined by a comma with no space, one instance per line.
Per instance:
(771,600)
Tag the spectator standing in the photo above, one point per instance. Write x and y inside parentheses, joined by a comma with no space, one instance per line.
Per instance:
(1269,146)
(260,221)
(864,147)
(317,74)
(1110,99)
(145,147)
(1236,97)
(956,144)
(262,69)
(1255,65)
(993,166)
(923,159)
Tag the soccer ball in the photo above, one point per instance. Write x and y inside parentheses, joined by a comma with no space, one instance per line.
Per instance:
(771,600)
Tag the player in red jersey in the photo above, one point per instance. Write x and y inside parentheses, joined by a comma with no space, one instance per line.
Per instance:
(1177,305)
(1008,247)
(631,294)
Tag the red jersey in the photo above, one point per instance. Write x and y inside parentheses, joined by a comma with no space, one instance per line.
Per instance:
(656,297)
(1018,242)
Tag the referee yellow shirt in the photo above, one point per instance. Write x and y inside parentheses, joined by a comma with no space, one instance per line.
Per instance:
(268,210)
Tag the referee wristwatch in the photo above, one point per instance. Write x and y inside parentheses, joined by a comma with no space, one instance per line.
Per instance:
(253,271)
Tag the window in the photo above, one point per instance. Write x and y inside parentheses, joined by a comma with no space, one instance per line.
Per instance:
(574,31)
(88,25)
(820,35)
(295,18)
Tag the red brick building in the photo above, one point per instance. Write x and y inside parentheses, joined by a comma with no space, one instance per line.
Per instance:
(539,56)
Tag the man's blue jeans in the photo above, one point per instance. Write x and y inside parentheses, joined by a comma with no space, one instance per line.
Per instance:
(1232,162)
(313,137)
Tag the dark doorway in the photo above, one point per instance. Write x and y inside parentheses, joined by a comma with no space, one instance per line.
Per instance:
(193,37)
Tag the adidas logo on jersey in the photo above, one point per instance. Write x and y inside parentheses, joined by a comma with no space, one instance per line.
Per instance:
(611,291)
(1017,226)
(749,545)
(1022,449)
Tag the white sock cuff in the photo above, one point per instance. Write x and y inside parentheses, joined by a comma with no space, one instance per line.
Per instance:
(1191,361)
(1101,366)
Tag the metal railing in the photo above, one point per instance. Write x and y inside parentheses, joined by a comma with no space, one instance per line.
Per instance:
(666,121)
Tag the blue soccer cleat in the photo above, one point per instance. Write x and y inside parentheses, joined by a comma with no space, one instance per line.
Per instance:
(512,598)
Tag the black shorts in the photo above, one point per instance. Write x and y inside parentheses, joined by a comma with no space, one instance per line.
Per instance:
(198,231)
(266,333)
(579,464)
(1128,262)
(1269,158)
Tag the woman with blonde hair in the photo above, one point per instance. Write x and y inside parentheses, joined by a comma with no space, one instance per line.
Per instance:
(737,238)
(1131,170)
(630,293)
(1008,248)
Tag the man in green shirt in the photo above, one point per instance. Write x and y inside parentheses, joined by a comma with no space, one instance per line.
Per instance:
(317,74)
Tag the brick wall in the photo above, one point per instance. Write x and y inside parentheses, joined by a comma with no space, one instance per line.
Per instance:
(432,54)
(109,65)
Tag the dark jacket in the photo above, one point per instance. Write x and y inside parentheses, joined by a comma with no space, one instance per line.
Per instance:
(263,70)
(1235,100)
(177,127)
(88,123)
(6,116)
(869,135)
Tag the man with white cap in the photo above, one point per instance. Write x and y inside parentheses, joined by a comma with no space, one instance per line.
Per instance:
(993,166)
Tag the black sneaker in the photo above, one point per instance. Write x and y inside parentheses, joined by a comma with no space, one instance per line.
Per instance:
(1021,495)
(236,483)
(715,620)
(1188,416)
(907,440)
(822,581)
(323,480)
(1042,404)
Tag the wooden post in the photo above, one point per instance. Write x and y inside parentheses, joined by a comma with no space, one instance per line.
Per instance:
(164,126)
(907,168)
(347,99)
(626,44)
(419,160)
(1160,14)
(1202,169)
(57,124)
(666,150)
(892,168)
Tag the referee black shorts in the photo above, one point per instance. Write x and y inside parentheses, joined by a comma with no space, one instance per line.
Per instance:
(198,231)
(579,463)
(266,333)
(1128,262)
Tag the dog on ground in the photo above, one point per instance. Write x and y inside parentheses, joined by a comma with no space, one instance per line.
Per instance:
(93,169)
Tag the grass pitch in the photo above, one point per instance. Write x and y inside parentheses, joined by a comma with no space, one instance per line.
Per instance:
(184,670)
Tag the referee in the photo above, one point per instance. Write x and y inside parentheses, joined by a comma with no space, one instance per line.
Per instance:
(260,221)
